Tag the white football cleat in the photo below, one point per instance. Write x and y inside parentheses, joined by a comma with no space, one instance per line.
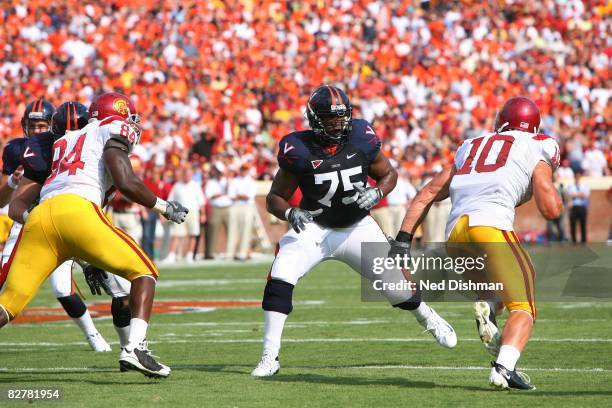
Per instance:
(439,328)
(487,327)
(268,365)
(97,343)
(140,359)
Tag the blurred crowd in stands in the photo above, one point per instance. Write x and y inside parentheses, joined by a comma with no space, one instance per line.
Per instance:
(218,83)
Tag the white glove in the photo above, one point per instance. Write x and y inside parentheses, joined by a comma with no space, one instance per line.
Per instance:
(368,196)
(297,218)
(176,212)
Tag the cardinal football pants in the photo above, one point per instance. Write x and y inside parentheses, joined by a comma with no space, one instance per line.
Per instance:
(63,227)
(507,262)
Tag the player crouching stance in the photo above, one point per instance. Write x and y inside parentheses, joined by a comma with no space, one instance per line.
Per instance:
(69,223)
(492,175)
(330,164)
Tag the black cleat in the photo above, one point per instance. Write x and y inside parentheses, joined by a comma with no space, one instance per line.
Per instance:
(140,359)
(504,379)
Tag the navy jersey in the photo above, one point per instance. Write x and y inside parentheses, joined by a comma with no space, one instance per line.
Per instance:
(11,155)
(327,179)
(37,157)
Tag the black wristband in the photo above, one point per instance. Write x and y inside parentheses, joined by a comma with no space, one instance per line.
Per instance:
(404,236)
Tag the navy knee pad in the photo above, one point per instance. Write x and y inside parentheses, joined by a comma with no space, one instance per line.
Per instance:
(120,309)
(73,305)
(278,297)
(410,304)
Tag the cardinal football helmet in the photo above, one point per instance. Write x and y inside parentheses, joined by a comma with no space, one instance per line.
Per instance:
(518,113)
(118,107)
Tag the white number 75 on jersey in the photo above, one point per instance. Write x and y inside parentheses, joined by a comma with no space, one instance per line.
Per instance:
(334,177)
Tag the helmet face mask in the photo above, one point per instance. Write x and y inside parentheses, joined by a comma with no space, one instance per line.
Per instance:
(37,117)
(35,126)
(329,115)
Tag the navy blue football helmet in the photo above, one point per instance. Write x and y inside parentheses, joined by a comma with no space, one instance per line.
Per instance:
(36,112)
(329,115)
(69,116)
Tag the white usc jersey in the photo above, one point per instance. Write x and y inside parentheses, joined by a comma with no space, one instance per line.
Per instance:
(78,167)
(493,176)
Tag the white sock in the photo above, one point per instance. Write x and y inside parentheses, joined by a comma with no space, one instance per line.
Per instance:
(508,356)
(273,327)
(138,332)
(422,312)
(124,335)
(86,324)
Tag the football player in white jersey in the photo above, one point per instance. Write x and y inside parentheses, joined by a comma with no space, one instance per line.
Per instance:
(88,164)
(17,156)
(492,175)
(37,162)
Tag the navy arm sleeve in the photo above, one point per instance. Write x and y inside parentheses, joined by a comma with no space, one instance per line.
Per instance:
(11,156)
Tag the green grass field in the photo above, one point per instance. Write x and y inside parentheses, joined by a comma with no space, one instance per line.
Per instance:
(338,351)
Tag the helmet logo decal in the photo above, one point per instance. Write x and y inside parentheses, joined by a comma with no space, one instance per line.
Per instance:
(288,148)
(336,108)
(120,105)
(524,125)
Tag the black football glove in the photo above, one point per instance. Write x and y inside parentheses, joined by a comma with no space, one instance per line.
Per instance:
(176,212)
(368,196)
(401,246)
(298,218)
(95,277)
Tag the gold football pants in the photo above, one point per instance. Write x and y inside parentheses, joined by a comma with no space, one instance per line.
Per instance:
(506,262)
(64,227)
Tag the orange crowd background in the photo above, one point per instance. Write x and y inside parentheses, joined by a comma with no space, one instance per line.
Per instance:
(224,80)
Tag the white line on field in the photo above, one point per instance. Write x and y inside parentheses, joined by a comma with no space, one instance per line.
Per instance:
(306,340)
(263,260)
(359,367)
(358,322)
(469,368)
(203,282)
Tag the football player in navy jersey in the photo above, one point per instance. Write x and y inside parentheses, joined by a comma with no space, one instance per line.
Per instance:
(36,119)
(17,157)
(330,163)
(37,167)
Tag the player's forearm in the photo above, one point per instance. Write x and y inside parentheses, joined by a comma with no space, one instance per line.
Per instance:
(419,207)
(17,209)
(437,189)
(5,190)
(24,196)
(277,205)
(387,182)
(137,192)
(5,194)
